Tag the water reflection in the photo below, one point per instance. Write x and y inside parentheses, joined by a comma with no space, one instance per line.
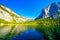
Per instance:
(30,34)
(18,32)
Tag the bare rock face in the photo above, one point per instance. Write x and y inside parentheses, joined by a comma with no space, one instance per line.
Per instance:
(51,11)
(10,16)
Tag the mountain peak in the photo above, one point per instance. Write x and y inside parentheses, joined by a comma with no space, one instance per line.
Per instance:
(51,11)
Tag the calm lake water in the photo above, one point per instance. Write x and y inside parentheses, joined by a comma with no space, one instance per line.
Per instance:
(16,32)
(30,34)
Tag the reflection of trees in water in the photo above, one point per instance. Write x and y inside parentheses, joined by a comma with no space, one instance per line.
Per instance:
(10,30)
(50,29)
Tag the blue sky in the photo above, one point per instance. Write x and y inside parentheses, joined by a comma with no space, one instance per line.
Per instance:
(27,8)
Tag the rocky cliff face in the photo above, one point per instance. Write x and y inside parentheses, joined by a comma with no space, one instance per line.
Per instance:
(51,11)
(9,16)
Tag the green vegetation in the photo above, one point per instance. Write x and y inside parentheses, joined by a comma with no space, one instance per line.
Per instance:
(3,21)
(50,28)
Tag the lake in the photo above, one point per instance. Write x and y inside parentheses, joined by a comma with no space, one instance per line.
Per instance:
(18,32)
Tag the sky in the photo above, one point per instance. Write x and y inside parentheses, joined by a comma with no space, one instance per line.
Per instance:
(27,8)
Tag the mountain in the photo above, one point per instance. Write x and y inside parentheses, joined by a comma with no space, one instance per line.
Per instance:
(7,15)
(51,11)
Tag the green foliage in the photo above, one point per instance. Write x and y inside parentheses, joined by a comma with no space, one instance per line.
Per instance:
(50,28)
(3,21)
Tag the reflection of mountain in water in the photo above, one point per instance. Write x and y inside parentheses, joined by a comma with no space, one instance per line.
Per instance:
(30,34)
(17,32)
(7,31)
